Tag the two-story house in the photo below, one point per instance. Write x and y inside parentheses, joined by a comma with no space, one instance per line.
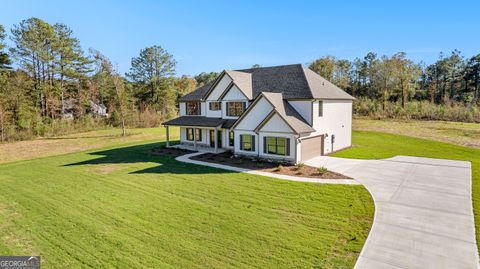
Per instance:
(283,112)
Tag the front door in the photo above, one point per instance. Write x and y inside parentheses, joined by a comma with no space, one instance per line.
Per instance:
(212,138)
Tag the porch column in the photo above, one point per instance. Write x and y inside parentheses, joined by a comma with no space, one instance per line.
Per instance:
(195,138)
(168,137)
(216,139)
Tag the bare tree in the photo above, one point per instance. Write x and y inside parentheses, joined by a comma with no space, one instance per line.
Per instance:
(121,100)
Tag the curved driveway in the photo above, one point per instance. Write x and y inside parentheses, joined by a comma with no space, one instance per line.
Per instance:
(423,211)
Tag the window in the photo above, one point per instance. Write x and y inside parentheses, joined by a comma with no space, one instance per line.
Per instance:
(247,142)
(235,109)
(190,134)
(320,108)
(276,145)
(214,106)
(193,108)
(198,134)
(231,137)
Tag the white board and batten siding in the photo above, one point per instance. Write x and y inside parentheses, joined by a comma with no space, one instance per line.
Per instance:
(220,87)
(212,113)
(336,120)
(304,108)
(250,121)
(275,127)
(256,115)
(233,95)
(183,109)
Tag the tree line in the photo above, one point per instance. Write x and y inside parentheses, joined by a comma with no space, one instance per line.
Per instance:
(57,87)
(396,78)
(49,85)
(396,86)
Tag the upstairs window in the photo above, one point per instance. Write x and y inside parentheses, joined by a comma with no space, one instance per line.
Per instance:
(320,108)
(235,109)
(214,106)
(193,109)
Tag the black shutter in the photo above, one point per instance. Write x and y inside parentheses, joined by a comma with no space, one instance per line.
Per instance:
(288,146)
(241,141)
(264,144)
(227,112)
(244,106)
(199,108)
(253,143)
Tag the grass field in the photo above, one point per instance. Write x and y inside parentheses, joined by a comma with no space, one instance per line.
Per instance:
(459,133)
(119,207)
(374,145)
(43,147)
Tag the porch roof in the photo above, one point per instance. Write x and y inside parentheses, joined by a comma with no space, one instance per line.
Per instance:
(200,121)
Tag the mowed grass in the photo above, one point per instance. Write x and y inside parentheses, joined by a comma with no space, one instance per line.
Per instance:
(51,146)
(459,133)
(120,207)
(375,145)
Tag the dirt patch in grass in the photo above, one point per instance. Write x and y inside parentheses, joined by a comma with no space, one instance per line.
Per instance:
(174,152)
(300,170)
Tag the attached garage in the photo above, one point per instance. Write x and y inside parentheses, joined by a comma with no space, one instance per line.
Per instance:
(311,147)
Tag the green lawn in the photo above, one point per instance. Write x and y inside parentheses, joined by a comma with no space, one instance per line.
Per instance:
(120,207)
(52,146)
(374,145)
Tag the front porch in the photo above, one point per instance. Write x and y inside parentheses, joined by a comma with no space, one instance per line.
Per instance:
(203,139)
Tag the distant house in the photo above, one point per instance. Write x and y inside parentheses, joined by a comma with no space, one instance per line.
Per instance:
(285,112)
(98,109)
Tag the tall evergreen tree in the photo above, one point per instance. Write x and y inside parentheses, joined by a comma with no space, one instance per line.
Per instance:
(152,71)
(70,62)
(472,76)
(33,40)
(4,58)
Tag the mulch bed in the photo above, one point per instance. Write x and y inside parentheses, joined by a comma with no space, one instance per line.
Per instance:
(174,152)
(228,158)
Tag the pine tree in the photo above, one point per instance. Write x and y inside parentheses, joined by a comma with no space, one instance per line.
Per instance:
(4,57)
(152,72)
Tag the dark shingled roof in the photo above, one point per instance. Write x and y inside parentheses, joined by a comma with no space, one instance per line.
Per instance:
(293,81)
(197,94)
(200,121)
(228,124)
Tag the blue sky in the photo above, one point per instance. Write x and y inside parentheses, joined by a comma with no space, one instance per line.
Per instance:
(217,35)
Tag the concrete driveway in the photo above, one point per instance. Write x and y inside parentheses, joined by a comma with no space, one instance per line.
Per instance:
(423,211)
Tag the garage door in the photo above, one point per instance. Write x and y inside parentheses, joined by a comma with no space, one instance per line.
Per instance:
(312,147)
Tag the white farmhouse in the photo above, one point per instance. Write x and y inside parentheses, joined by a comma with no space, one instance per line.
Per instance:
(285,113)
